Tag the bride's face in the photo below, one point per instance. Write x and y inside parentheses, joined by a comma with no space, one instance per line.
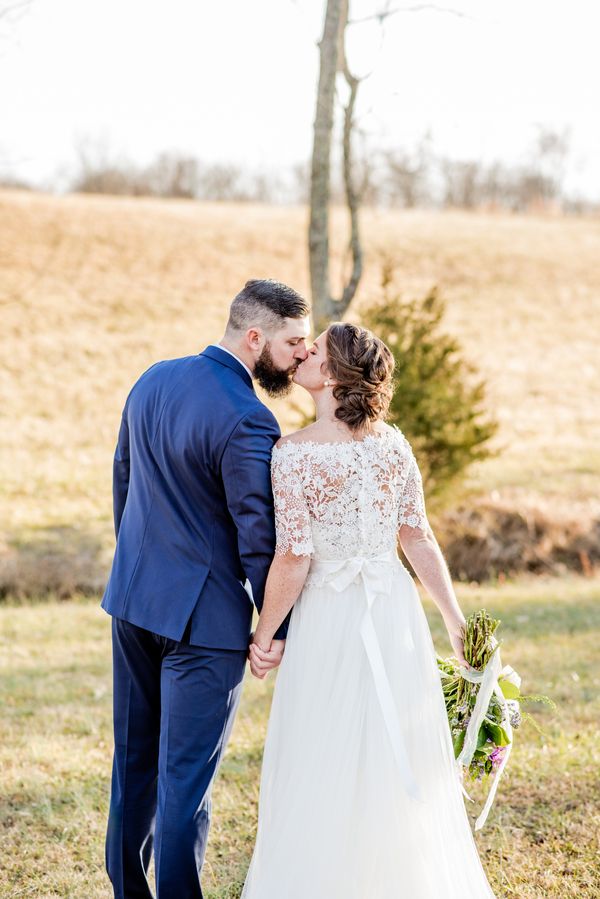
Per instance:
(311,373)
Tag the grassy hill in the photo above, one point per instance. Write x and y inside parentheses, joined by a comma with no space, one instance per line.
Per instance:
(95,289)
(92,291)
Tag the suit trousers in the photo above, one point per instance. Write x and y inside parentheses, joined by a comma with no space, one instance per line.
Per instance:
(174,707)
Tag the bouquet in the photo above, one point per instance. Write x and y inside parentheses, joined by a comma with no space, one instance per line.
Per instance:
(483,705)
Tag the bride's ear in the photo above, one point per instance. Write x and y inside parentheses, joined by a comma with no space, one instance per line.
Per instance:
(327,377)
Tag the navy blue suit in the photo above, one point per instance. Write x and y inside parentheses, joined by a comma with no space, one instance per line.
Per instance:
(193,513)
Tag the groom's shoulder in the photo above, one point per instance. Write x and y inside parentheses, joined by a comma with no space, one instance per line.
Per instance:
(255,415)
(191,380)
(192,371)
(166,367)
(157,373)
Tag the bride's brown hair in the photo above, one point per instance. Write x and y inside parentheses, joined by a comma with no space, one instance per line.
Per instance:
(362,367)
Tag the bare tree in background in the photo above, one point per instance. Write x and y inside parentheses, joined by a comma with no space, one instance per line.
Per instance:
(462,183)
(407,174)
(220,182)
(332,60)
(174,175)
(12,9)
(551,152)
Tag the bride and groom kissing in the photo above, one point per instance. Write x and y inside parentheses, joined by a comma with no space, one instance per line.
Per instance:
(215,514)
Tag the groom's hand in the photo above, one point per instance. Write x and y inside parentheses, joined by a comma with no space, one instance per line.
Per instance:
(263,659)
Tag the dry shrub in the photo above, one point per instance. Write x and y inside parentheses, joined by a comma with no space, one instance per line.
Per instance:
(480,542)
(486,540)
(61,562)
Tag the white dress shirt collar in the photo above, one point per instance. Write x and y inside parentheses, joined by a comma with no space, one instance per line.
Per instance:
(237,358)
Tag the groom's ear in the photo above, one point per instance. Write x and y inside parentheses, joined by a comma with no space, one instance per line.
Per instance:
(255,339)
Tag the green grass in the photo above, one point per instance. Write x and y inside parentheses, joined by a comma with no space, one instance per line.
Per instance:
(541,837)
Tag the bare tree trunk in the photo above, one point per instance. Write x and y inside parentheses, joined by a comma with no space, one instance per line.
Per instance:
(333,60)
(318,234)
(352,194)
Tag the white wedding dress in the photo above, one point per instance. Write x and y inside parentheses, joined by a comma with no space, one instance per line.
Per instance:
(359,795)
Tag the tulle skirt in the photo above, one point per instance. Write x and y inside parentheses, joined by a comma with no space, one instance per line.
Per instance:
(336,820)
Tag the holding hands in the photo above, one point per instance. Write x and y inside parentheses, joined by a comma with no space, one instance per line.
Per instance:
(264,655)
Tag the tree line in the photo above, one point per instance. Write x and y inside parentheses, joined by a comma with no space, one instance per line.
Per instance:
(417,177)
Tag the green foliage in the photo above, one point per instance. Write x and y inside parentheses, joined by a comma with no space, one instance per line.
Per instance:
(509,690)
(438,400)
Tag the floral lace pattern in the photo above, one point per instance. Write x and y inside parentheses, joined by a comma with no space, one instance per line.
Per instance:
(338,500)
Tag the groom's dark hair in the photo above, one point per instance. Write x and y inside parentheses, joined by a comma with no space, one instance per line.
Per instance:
(265,303)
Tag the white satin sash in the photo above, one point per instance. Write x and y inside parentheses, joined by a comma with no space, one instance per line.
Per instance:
(376,575)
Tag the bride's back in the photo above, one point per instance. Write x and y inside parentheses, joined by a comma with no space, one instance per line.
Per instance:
(339,499)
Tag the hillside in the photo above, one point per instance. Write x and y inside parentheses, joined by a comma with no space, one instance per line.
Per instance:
(95,289)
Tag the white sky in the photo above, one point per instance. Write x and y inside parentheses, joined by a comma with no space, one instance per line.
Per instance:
(235,80)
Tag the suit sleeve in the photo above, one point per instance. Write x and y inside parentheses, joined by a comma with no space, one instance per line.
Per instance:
(246,473)
(121,473)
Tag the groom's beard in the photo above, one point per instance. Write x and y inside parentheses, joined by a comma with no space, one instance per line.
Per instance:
(270,378)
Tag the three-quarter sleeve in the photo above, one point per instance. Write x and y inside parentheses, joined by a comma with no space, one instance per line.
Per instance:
(412,504)
(292,518)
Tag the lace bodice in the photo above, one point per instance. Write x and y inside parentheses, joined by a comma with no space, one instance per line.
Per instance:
(338,500)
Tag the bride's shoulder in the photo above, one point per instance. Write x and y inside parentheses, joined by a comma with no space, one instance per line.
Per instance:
(299,438)
(396,432)
(396,441)
(401,440)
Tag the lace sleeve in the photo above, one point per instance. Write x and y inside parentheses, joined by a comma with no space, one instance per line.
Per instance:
(292,518)
(412,505)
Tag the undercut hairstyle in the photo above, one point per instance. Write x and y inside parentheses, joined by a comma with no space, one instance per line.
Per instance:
(265,304)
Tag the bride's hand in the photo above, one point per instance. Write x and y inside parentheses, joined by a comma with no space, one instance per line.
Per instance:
(456,633)
(264,660)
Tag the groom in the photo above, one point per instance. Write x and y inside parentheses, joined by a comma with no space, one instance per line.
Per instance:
(193,514)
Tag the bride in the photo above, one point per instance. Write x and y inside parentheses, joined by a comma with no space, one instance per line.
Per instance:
(359,795)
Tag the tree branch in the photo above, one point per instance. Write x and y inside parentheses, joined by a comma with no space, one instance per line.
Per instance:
(352,195)
(16,6)
(419,7)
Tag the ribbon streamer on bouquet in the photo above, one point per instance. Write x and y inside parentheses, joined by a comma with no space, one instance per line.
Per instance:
(488,686)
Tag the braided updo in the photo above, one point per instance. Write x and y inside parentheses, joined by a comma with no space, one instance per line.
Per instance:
(362,366)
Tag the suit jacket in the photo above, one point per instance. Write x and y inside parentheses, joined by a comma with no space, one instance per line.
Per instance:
(193,505)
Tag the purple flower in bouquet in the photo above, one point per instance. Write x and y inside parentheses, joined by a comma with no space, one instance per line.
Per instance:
(497,755)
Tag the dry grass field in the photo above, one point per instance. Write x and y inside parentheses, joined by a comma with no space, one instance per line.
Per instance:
(95,289)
